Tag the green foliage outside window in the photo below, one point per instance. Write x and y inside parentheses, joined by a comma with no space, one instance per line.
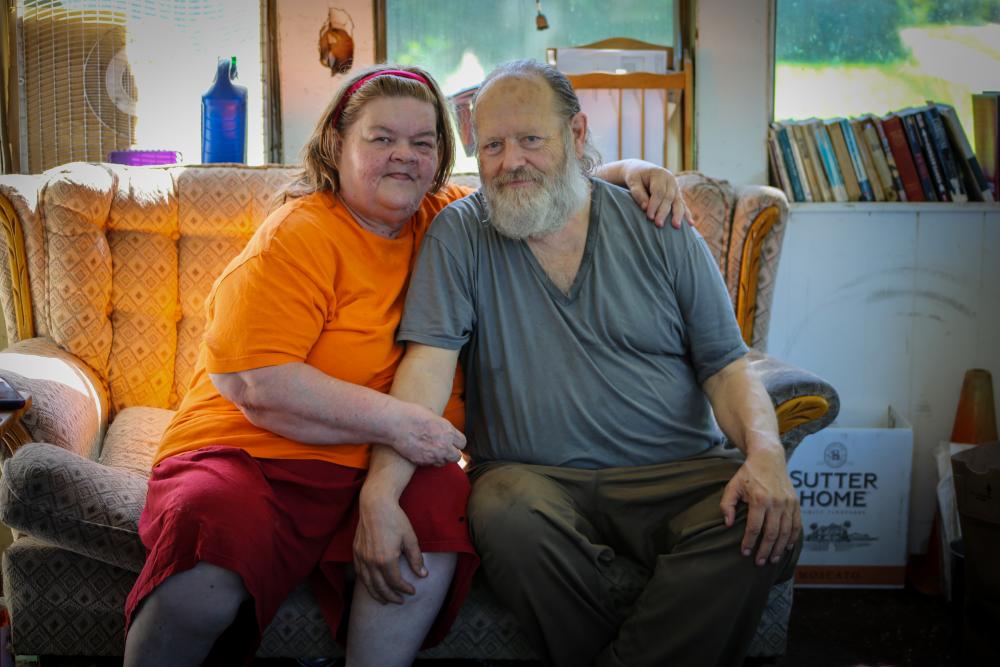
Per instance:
(840,58)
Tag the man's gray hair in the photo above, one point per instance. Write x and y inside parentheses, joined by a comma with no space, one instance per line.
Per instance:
(567,103)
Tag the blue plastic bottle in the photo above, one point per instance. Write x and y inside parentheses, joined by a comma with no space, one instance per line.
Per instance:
(224,117)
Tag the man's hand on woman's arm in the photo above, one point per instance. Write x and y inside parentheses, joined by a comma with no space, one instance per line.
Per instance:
(654,189)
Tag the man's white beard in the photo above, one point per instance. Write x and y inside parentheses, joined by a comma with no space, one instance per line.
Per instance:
(544,208)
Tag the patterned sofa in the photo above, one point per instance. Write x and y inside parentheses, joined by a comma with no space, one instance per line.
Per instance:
(102,284)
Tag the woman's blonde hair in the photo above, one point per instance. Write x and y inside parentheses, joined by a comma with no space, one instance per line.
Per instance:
(321,154)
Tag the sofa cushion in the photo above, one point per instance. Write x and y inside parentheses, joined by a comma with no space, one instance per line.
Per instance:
(133,437)
(74,503)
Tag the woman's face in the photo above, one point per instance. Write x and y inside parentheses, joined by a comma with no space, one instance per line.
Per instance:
(388,159)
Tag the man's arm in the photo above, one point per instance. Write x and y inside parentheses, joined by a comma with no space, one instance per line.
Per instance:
(424,377)
(744,412)
(653,188)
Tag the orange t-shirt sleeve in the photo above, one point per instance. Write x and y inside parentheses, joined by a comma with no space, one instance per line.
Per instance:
(264,312)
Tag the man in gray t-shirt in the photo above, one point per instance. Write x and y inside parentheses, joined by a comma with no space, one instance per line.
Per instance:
(606,374)
(599,353)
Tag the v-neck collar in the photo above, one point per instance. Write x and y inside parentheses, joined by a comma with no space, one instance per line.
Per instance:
(585,262)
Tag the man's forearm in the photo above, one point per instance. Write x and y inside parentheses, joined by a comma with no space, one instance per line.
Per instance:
(424,377)
(743,408)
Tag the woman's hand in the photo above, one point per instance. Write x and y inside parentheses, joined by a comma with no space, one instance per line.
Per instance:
(655,190)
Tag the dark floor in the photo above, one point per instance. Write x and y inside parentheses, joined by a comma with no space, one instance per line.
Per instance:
(829,628)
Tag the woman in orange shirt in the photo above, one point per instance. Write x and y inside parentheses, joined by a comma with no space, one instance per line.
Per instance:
(256,484)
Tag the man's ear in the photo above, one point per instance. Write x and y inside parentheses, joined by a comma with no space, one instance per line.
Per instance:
(578,126)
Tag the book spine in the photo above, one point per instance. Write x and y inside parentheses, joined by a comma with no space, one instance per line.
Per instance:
(786,154)
(909,127)
(800,165)
(859,168)
(895,132)
(897,182)
(844,160)
(778,164)
(976,184)
(830,163)
(932,158)
(814,157)
(866,160)
(879,160)
(935,127)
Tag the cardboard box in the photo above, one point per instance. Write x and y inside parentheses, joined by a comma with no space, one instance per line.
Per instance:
(854,488)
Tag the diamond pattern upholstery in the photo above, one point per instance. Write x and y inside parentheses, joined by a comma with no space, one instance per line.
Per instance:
(120,261)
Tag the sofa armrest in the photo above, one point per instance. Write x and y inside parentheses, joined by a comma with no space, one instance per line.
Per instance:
(74,503)
(804,402)
(758,230)
(69,404)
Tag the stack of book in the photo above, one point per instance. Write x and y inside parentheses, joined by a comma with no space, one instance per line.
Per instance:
(986,132)
(916,154)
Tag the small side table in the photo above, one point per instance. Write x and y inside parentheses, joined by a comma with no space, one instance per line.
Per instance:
(13,434)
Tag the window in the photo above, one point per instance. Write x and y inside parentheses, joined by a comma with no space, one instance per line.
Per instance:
(103,75)
(460,41)
(835,58)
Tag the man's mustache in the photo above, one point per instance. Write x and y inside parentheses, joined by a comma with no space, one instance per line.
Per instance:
(519,174)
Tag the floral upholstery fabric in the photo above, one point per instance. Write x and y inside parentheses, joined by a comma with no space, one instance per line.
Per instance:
(131,441)
(69,406)
(142,233)
(75,204)
(74,503)
(711,207)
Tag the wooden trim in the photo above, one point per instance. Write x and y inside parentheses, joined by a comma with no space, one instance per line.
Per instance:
(381,47)
(621,111)
(638,80)
(687,132)
(746,291)
(17,258)
(800,410)
(642,126)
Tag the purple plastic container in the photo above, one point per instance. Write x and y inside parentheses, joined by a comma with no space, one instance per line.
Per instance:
(143,158)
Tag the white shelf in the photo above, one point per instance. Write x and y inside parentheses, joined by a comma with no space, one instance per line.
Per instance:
(894,207)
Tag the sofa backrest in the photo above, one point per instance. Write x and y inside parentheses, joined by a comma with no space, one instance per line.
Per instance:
(119,259)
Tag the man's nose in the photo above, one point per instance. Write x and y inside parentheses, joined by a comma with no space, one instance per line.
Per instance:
(512,158)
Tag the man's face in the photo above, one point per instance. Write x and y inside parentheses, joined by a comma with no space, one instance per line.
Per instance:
(528,158)
(517,126)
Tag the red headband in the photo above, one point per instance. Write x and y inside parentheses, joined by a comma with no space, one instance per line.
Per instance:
(374,75)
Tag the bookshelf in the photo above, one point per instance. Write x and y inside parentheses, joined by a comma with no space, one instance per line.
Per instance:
(878,208)
(918,154)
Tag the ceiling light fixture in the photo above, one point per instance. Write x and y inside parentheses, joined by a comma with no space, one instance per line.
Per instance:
(541,23)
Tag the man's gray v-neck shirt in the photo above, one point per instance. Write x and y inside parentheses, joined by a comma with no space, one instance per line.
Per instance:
(608,375)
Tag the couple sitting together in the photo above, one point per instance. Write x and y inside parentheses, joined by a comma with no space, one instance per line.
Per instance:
(599,358)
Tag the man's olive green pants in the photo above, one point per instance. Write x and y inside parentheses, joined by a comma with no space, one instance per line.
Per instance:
(547,535)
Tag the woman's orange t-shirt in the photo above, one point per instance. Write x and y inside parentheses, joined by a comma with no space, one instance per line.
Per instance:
(311,286)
